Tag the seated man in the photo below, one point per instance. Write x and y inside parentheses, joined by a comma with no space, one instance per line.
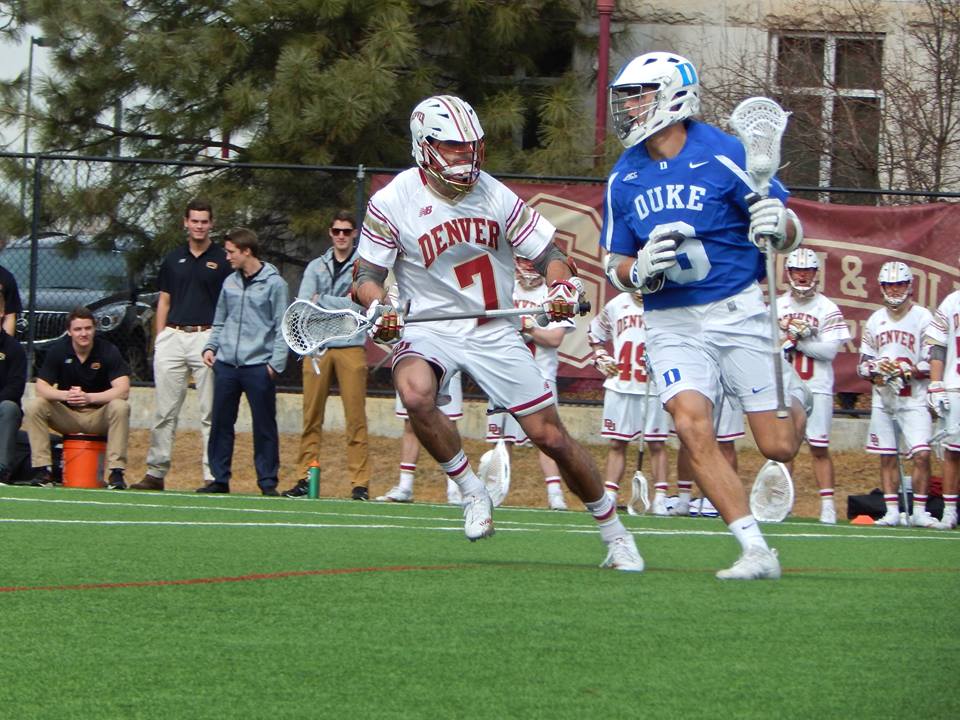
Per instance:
(13,379)
(82,388)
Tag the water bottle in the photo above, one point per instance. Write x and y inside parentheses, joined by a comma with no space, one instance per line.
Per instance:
(313,481)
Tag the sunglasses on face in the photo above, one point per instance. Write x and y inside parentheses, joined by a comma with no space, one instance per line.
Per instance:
(341,231)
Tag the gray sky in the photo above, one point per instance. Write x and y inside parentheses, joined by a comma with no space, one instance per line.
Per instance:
(13,61)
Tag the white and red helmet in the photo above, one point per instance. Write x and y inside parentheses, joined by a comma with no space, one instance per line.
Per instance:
(804,282)
(895,273)
(526,274)
(677,95)
(447,118)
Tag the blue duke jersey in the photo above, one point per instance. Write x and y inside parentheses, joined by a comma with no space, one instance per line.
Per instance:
(701,193)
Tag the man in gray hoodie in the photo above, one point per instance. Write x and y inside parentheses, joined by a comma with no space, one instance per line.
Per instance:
(327,281)
(246,351)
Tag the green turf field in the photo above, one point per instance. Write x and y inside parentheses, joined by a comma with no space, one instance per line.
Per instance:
(179,606)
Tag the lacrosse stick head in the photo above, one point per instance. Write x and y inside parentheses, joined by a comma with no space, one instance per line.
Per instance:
(639,495)
(759,123)
(494,471)
(307,327)
(771,498)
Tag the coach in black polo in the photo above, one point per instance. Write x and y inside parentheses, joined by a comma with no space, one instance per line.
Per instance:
(82,388)
(13,380)
(190,279)
(11,301)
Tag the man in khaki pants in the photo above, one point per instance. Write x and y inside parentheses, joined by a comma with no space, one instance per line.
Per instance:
(327,281)
(82,387)
(190,279)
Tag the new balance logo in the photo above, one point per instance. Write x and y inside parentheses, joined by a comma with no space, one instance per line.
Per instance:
(695,165)
(426,210)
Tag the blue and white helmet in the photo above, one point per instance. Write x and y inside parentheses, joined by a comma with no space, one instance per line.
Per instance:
(677,96)
(892,273)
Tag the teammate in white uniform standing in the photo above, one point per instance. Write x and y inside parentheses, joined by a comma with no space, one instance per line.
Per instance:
(813,332)
(631,404)
(943,396)
(530,291)
(893,359)
(677,226)
(450,232)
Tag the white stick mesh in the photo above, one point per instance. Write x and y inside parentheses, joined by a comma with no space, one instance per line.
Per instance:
(772,496)
(307,327)
(494,471)
(759,123)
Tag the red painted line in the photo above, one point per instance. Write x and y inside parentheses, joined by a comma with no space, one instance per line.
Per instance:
(238,578)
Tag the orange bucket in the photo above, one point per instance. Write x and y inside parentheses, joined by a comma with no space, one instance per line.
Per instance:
(84,459)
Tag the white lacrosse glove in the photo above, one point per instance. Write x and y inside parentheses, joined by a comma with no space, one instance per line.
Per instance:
(527,323)
(387,322)
(938,402)
(658,255)
(797,329)
(768,224)
(563,299)
(605,363)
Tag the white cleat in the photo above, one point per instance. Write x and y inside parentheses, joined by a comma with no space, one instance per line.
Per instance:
(397,494)
(623,555)
(828,515)
(681,509)
(889,520)
(949,521)
(556,501)
(659,506)
(756,563)
(924,520)
(478,516)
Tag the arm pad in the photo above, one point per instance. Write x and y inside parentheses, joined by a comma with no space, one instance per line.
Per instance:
(819,349)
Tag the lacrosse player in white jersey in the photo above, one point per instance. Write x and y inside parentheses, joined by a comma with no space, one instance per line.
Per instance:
(631,405)
(530,291)
(943,396)
(450,233)
(678,227)
(894,359)
(813,332)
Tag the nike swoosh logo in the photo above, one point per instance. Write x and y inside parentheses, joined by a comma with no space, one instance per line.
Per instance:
(757,389)
(694,166)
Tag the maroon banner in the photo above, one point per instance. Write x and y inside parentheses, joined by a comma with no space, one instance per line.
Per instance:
(851,241)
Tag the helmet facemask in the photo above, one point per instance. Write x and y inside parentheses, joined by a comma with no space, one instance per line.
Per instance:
(802,269)
(448,143)
(896,283)
(457,169)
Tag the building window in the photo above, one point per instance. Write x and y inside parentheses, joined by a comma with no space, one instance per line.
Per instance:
(832,84)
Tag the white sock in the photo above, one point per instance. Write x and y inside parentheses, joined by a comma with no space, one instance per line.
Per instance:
(892,503)
(919,504)
(611,487)
(458,469)
(661,490)
(604,511)
(747,532)
(826,498)
(553,485)
(407,473)
(683,489)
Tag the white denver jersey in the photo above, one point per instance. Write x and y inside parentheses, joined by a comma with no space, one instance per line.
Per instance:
(944,330)
(884,337)
(547,358)
(621,321)
(821,313)
(451,256)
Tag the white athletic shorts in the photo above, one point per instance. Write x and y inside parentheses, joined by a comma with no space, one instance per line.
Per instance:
(494,356)
(818,424)
(691,348)
(626,416)
(952,422)
(453,409)
(506,426)
(731,425)
(915,426)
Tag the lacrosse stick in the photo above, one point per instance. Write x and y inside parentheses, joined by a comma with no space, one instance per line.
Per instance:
(759,123)
(308,328)
(639,491)
(888,398)
(494,468)
(771,498)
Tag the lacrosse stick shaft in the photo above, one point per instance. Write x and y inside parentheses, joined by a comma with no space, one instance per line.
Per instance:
(581,309)
(888,397)
(775,332)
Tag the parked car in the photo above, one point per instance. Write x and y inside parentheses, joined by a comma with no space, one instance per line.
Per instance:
(72,271)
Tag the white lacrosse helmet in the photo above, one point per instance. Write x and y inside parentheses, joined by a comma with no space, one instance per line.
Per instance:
(677,96)
(446,118)
(895,272)
(803,259)
(526,274)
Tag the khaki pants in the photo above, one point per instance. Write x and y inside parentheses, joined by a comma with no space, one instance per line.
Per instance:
(350,367)
(113,420)
(177,356)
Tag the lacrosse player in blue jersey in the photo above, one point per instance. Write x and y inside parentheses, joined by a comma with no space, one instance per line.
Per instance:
(678,227)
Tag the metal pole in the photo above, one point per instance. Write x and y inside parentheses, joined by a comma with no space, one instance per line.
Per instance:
(605,10)
(26,128)
(361,193)
(34,257)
